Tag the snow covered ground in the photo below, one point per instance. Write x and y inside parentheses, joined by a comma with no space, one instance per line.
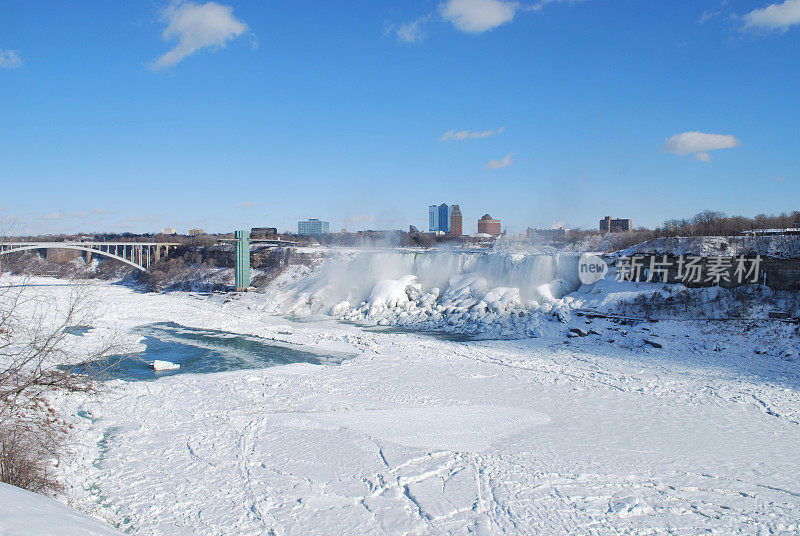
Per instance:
(589,431)
(23,512)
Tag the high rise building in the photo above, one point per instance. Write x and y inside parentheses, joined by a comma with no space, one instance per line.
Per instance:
(456,222)
(433,218)
(439,218)
(486,225)
(444,218)
(313,226)
(617,225)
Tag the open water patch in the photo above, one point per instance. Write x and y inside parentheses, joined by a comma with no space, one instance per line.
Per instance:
(203,351)
(440,335)
(78,330)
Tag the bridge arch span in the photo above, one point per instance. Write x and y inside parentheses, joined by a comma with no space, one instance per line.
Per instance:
(10,248)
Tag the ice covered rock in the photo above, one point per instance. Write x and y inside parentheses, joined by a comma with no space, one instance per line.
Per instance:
(553,290)
(414,292)
(502,299)
(341,308)
(577,332)
(390,293)
(165,365)
(464,286)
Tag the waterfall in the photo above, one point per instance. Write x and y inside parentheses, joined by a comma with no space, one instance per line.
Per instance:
(351,278)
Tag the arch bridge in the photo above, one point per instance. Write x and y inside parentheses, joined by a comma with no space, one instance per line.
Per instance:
(139,255)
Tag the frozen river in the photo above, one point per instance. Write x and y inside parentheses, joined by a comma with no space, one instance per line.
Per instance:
(412,434)
(203,351)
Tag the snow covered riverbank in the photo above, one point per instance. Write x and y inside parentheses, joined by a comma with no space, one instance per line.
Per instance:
(30,514)
(594,434)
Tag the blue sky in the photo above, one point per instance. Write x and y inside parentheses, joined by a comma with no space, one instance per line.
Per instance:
(133,116)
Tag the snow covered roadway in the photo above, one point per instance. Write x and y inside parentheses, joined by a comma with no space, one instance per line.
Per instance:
(418,435)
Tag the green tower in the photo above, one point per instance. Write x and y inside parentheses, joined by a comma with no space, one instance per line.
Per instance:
(242,278)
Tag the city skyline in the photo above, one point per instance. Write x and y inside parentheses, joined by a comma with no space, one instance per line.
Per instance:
(233,114)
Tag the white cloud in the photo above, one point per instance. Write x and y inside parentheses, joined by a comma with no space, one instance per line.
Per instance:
(197,26)
(470,16)
(699,144)
(501,163)
(412,32)
(774,16)
(10,59)
(245,204)
(478,16)
(542,3)
(467,134)
(707,16)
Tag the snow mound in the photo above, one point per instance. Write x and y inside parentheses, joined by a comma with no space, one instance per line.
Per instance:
(27,513)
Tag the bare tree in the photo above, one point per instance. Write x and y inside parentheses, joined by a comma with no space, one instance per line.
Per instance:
(37,365)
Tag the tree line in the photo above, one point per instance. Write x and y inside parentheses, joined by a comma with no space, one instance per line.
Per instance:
(712,223)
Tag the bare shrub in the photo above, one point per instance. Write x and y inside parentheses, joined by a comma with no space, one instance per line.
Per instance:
(29,446)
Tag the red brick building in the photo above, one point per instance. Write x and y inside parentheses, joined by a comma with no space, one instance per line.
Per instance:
(456,222)
(487,225)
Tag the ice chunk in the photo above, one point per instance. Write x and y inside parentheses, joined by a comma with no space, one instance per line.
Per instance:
(165,365)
